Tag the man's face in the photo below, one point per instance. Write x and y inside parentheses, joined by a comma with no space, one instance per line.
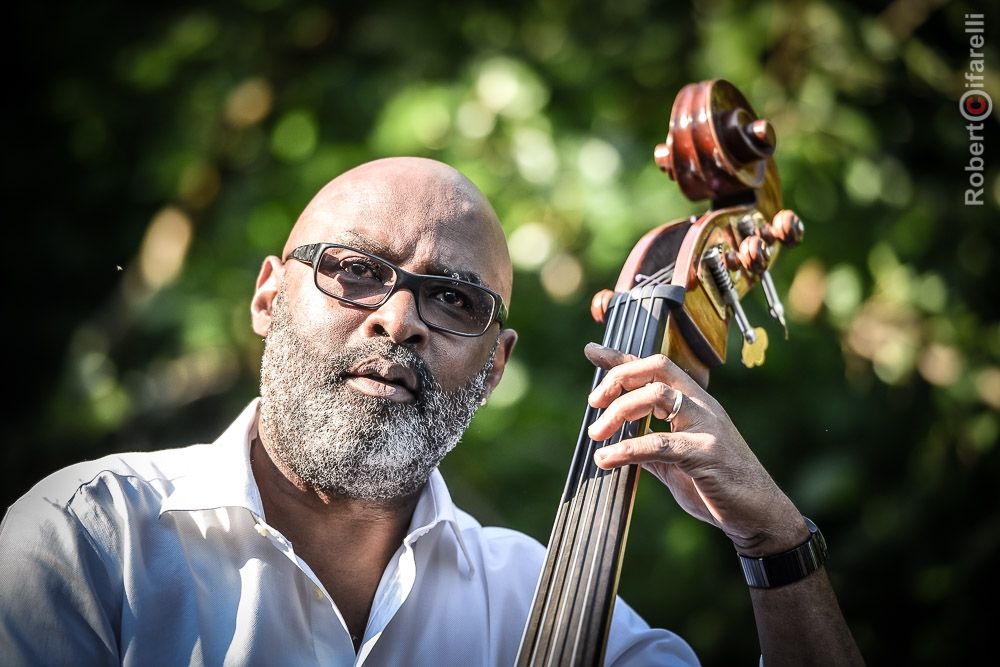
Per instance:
(341,440)
(328,362)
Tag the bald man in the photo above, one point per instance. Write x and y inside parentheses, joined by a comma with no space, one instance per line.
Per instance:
(316,529)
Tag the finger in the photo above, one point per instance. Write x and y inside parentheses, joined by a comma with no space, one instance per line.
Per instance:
(606,357)
(635,373)
(649,448)
(656,398)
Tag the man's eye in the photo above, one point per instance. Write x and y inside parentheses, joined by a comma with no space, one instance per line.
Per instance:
(359,269)
(451,297)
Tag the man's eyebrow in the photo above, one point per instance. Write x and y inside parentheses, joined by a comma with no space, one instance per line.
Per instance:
(361,242)
(442,270)
(368,245)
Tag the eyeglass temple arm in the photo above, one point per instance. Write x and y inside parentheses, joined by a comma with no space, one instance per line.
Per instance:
(501,317)
(304,253)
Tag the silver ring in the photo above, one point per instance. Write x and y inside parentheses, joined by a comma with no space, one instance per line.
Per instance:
(678,399)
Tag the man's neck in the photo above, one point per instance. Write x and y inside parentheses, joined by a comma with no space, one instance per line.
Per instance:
(347,542)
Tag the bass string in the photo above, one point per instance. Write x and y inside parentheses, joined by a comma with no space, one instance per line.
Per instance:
(588,502)
(613,337)
(601,487)
(617,478)
(566,563)
(614,333)
(569,527)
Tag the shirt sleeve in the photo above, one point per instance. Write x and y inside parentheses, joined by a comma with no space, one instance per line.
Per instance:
(631,642)
(59,603)
(515,557)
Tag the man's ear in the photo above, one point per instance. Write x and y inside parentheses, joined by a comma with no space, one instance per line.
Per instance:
(268,284)
(505,347)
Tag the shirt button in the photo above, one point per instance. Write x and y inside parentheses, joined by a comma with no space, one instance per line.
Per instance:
(262,529)
(317,592)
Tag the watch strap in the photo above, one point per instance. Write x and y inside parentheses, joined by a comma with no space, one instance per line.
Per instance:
(789,566)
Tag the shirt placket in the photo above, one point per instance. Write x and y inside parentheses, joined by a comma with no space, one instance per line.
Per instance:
(331,639)
(396,584)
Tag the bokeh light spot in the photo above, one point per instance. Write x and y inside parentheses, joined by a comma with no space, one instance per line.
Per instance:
(512,388)
(530,246)
(562,277)
(535,155)
(805,296)
(249,103)
(294,137)
(164,247)
(940,365)
(843,290)
(599,161)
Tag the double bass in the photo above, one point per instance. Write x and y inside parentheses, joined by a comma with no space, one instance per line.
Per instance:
(676,295)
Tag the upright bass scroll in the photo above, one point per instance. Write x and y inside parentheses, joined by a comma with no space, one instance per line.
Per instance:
(676,294)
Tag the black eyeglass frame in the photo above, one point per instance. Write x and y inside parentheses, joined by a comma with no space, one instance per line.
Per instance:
(310,254)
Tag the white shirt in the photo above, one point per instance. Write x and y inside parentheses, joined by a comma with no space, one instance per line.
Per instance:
(165,558)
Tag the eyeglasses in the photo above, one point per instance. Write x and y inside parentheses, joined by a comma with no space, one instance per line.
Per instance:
(362,279)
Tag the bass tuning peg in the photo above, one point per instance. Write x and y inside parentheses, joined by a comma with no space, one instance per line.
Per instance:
(755,255)
(754,338)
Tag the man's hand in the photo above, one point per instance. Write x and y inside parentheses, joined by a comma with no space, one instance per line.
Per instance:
(704,461)
(713,475)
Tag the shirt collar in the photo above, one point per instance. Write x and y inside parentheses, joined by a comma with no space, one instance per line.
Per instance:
(433,507)
(223,478)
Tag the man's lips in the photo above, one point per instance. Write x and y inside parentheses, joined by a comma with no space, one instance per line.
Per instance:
(384,379)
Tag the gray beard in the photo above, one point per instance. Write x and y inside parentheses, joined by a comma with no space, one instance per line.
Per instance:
(344,442)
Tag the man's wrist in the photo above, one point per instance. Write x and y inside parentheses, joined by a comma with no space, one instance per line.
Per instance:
(784,530)
(788,566)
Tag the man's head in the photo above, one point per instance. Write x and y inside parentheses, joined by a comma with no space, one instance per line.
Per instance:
(365,401)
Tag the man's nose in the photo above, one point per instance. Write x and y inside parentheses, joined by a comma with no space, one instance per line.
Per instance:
(399,320)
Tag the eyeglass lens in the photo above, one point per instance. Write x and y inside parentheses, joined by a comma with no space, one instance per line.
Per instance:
(354,276)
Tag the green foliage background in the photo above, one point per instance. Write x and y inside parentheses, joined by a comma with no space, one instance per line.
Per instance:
(157,153)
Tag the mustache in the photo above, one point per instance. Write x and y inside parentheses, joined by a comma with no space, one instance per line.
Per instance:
(340,364)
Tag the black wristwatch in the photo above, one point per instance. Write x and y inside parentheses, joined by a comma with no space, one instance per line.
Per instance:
(788,567)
